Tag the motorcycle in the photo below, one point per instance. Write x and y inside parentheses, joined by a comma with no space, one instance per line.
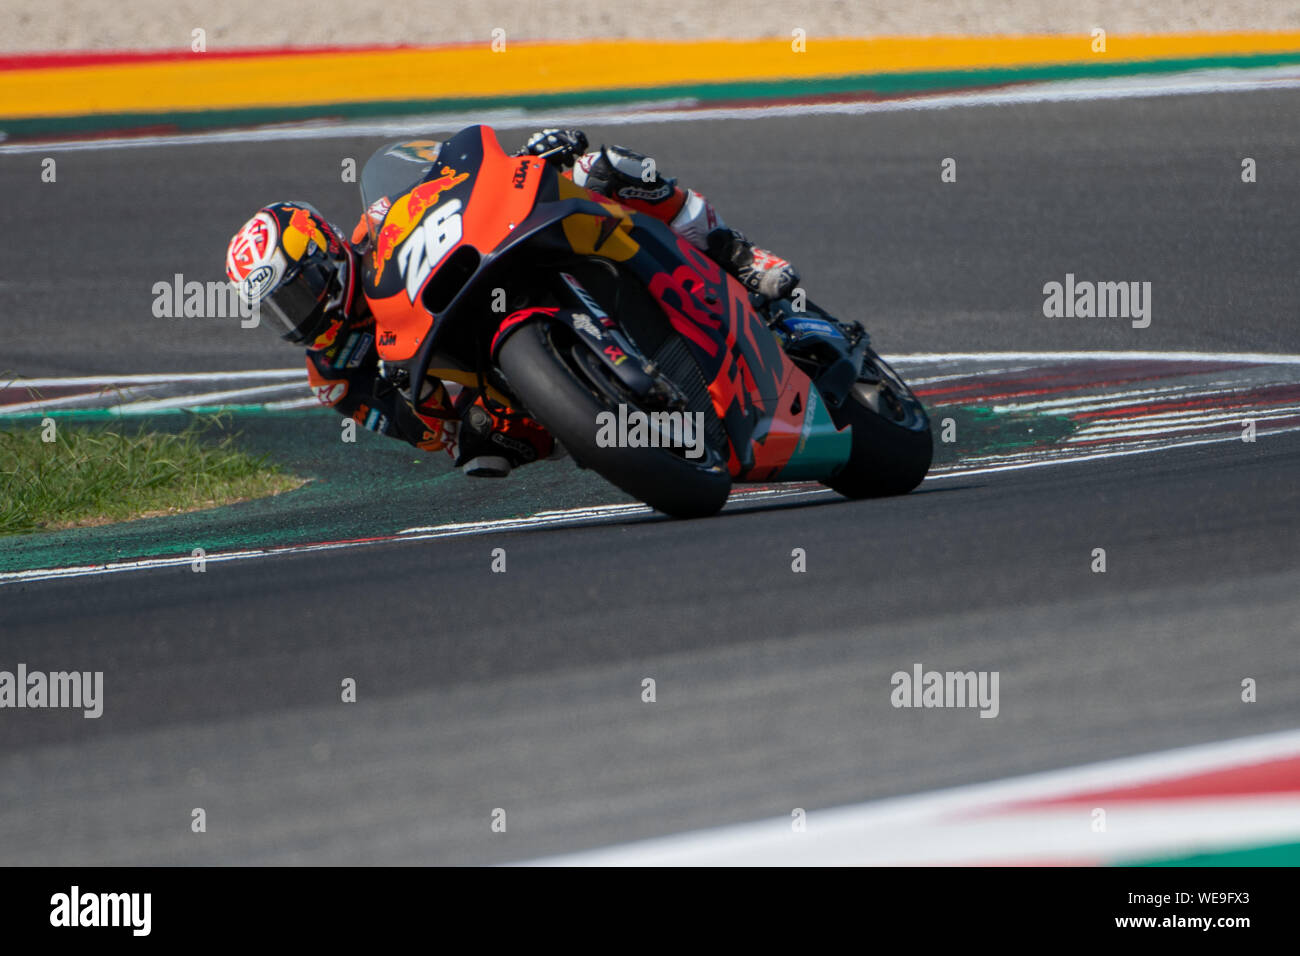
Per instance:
(541,297)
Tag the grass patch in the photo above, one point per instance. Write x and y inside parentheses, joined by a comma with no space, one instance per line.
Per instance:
(99,474)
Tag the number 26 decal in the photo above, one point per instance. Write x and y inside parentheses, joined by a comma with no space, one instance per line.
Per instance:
(435,237)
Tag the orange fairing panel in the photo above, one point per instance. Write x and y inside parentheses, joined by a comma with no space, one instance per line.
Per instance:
(503,193)
(400,327)
(500,201)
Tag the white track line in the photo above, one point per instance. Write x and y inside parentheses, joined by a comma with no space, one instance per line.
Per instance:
(1070,458)
(1195,82)
(854,834)
(544,519)
(70,402)
(164,378)
(146,406)
(1170,424)
(1248,358)
(1101,402)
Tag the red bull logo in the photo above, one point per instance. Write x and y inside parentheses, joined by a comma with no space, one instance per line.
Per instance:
(405,214)
(301,230)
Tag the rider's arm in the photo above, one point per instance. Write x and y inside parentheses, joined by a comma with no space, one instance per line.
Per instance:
(343,371)
(630,178)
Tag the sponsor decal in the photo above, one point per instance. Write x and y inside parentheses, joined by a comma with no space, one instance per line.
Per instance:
(354,350)
(584,297)
(429,441)
(388,338)
(327,337)
(331,393)
(360,350)
(522,449)
(655,194)
(252,246)
(451,437)
(377,210)
(341,355)
(259,282)
(805,430)
(765,261)
(582,322)
(808,326)
(405,214)
(616,354)
(521,174)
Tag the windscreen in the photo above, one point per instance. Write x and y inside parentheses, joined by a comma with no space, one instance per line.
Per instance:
(394,169)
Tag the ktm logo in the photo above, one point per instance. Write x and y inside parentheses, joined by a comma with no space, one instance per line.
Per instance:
(521,174)
(388,338)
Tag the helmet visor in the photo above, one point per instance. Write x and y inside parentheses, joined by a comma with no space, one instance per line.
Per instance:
(298,303)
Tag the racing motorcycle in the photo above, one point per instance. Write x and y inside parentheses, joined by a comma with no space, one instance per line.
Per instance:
(545,298)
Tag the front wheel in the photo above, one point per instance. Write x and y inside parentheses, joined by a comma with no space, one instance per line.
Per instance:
(566,395)
(892,445)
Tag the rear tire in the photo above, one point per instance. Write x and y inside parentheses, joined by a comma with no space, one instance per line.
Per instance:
(567,406)
(892,444)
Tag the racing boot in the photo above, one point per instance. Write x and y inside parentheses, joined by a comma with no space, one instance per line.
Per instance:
(757,269)
(490,445)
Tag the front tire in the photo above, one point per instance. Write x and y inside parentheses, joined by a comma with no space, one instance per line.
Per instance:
(892,444)
(556,396)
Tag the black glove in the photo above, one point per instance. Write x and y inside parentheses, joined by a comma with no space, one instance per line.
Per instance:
(560,146)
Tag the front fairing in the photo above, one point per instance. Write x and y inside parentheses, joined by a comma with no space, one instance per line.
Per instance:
(470,197)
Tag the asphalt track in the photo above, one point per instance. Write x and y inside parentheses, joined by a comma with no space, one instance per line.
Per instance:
(522,690)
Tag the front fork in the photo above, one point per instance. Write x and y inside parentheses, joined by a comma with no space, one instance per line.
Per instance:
(830,351)
(634,374)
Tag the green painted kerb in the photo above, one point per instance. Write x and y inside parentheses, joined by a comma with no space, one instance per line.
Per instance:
(1283,854)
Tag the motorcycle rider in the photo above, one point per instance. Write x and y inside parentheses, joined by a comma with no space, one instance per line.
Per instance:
(303,271)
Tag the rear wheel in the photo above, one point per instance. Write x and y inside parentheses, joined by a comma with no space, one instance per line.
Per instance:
(892,445)
(566,388)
